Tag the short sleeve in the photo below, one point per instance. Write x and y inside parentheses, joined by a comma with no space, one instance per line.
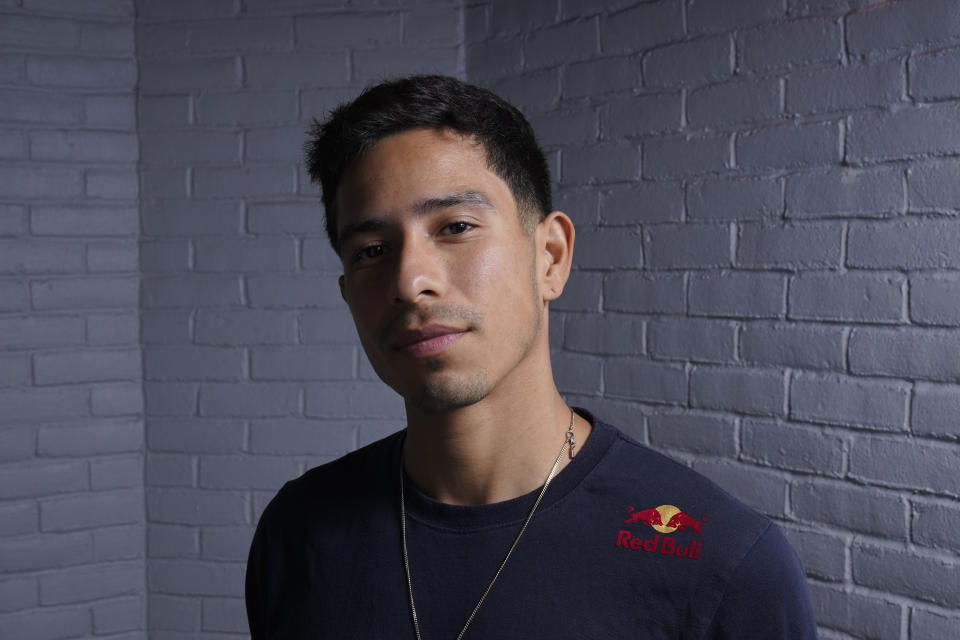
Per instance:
(767,596)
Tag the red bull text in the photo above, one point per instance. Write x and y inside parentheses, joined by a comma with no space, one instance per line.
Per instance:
(667,546)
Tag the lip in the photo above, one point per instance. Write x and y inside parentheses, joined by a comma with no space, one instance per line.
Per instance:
(426,341)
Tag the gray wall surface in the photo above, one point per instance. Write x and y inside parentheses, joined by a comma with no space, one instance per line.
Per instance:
(767,284)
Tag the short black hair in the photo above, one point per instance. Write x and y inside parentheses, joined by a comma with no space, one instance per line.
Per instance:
(437,102)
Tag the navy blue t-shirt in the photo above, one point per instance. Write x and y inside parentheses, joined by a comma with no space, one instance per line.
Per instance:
(626,543)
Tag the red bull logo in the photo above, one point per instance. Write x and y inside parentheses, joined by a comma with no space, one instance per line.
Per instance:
(665,519)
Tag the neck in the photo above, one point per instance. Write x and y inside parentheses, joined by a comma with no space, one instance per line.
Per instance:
(497,449)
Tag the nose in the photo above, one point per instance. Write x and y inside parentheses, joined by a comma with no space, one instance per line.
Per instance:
(418,272)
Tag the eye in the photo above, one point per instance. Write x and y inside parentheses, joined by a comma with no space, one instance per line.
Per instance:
(370,252)
(456,228)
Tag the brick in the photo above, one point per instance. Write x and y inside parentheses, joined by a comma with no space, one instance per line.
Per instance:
(931,74)
(612,334)
(184,73)
(807,346)
(242,35)
(853,86)
(931,300)
(190,147)
(246,472)
(36,182)
(17,443)
(173,541)
(115,257)
(933,525)
(327,326)
(40,256)
(86,366)
(319,101)
(251,399)
(317,254)
(609,247)
(690,63)
(920,465)
(687,246)
(845,192)
(933,186)
(191,218)
(291,70)
(192,577)
(894,244)
(434,25)
(162,183)
(697,433)
(245,327)
(165,112)
(753,391)
(533,91)
(116,399)
(641,27)
(302,363)
(577,373)
(284,217)
(739,199)
(196,436)
(194,363)
(582,292)
(170,398)
(82,72)
(850,507)
(40,330)
(822,554)
(277,144)
(761,489)
(12,68)
(346,30)
(642,115)
(40,107)
(13,145)
(692,339)
(247,254)
(73,221)
(792,43)
(927,624)
(224,614)
(575,127)
(789,146)
(352,400)
(641,201)
(173,613)
(186,9)
(906,133)
(912,353)
(82,146)
(196,506)
(236,182)
(738,295)
(645,293)
(42,404)
(897,26)
(36,32)
(686,156)
(14,370)
(720,105)
(83,438)
(86,511)
(848,401)
(169,470)
(115,616)
(290,291)
(522,16)
(13,220)
(706,17)
(107,38)
(562,43)
(850,296)
(892,569)
(48,551)
(166,327)
(18,593)
(115,112)
(934,410)
(111,184)
(605,162)
(117,473)
(487,60)
(645,380)
(855,613)
(46,623)
(792,447)
(303,437)
(206,290)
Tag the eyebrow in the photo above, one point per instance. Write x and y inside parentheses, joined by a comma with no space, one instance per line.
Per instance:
(423,207)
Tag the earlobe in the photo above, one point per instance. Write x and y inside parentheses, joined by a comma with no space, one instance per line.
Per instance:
(555,235)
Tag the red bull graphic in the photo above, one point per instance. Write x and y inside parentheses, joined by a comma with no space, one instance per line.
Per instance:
(665,519)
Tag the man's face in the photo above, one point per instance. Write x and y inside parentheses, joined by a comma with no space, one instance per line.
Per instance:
(439,274)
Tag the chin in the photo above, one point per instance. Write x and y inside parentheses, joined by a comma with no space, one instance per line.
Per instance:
(444,394)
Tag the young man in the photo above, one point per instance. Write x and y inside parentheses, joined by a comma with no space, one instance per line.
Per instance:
(499,512)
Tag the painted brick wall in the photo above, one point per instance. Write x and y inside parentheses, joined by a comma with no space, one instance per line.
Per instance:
(766,199)
(71,426)
(252,368)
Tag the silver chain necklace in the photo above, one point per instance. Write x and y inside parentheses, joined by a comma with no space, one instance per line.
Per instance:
(568,444)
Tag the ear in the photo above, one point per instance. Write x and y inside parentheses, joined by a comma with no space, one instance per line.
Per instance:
(554,238)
